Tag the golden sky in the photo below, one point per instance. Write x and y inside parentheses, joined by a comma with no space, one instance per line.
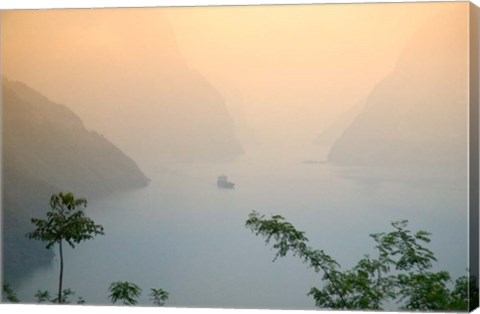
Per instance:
(298,64)
(283,70)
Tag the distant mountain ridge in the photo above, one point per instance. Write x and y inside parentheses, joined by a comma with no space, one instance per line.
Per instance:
(46,150)
(416,116)
(134,86)
(332,133)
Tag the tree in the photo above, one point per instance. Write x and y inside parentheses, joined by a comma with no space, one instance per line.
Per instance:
(64,222)
(124,291)
(158,296)
(401,273)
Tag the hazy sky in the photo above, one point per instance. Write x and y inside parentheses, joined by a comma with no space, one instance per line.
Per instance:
(285,71)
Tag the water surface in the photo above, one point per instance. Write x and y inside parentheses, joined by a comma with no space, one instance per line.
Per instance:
(185,235)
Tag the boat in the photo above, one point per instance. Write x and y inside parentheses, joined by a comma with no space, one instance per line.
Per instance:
(222,182)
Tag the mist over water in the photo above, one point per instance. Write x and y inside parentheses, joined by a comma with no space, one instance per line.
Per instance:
(189,94)
(183,234)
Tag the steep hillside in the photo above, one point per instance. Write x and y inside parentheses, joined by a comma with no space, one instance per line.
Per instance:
(335,130)
(46,149)
(417,116)
(122,72)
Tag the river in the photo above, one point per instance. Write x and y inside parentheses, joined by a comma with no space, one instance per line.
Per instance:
(183,234)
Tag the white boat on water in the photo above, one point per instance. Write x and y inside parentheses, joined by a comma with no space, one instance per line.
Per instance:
(222,182)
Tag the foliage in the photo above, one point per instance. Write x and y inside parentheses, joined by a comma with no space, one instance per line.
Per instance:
(64,222)
(124,291)
(402,271)
(43,296)
(9,294)
(158,296)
